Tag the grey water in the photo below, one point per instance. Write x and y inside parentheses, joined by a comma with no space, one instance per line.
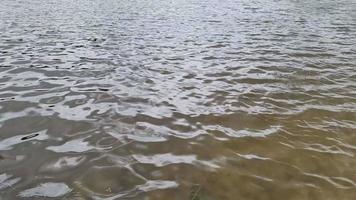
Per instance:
(178,99)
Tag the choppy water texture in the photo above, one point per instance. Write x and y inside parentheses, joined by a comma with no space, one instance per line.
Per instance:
(178,99)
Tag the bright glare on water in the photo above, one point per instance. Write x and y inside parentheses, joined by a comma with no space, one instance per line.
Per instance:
(178,99)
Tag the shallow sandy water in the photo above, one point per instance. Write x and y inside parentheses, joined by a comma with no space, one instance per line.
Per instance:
(178,99)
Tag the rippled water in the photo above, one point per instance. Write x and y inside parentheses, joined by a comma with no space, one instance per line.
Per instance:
(178,99)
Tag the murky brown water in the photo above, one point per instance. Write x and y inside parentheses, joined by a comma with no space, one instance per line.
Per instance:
(178,99)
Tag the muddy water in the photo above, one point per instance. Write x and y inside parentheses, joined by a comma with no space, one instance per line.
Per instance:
(178,99)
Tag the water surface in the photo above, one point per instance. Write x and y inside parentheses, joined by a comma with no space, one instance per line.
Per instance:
(178,99)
